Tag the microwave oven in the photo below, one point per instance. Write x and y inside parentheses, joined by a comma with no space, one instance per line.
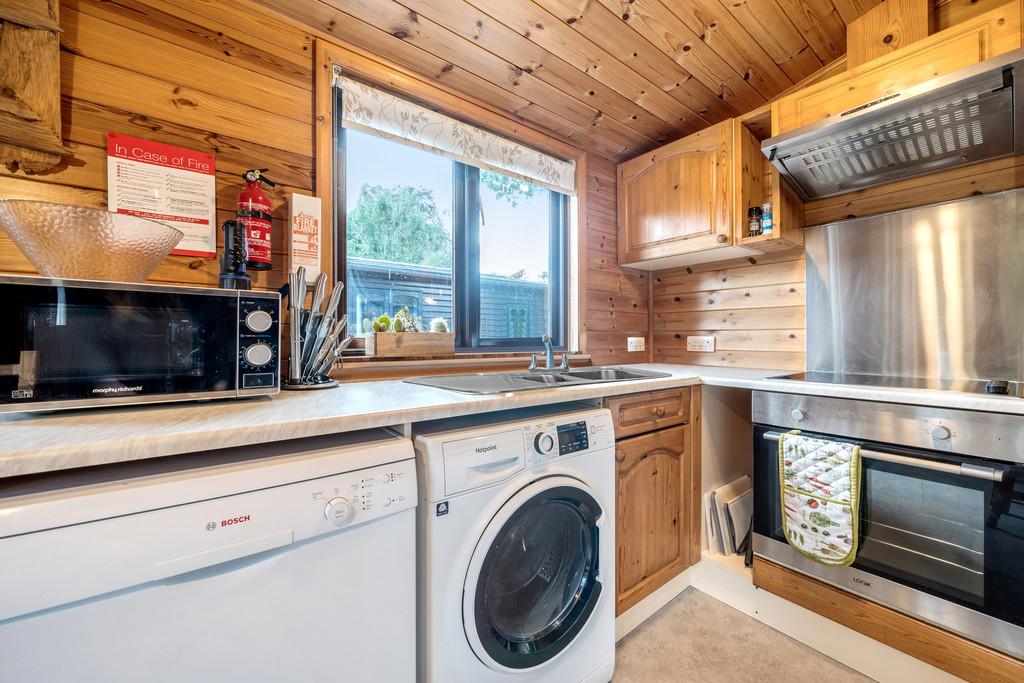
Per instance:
(80,344)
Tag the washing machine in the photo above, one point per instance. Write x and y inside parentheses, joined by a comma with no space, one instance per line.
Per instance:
(516,547)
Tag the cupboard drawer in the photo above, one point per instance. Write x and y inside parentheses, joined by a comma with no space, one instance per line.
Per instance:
(639,413)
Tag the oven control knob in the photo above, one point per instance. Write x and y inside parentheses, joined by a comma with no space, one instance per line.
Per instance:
(258,321)
(258,354)
(941,433)
(339,511)
(798,414)
(544,443)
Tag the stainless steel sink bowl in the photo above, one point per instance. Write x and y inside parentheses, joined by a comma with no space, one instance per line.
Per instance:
(550,379)
(613,374)
(502,382)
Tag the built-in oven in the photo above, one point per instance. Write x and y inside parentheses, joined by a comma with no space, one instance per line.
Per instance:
(941,509)
(77,343)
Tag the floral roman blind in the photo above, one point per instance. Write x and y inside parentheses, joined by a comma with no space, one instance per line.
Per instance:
(381,113)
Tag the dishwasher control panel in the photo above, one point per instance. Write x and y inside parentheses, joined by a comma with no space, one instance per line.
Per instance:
(360,496)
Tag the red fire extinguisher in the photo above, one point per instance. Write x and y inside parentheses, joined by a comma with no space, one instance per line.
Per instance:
(254,214)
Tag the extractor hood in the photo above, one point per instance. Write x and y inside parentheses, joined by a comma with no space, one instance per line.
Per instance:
(971,115)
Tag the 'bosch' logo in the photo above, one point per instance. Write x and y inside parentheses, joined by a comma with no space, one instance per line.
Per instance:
(234,520)
(210,526)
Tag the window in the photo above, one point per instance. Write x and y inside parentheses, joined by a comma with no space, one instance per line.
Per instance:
(484,251)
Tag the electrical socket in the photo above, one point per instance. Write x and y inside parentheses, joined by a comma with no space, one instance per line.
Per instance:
(636,343)
(702,344)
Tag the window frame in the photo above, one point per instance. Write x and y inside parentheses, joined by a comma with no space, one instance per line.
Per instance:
(466,297)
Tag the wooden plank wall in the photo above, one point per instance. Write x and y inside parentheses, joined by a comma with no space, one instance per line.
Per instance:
(616,299)
(755,310)
(201,75)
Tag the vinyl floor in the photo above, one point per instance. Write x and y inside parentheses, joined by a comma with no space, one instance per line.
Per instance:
(697,638)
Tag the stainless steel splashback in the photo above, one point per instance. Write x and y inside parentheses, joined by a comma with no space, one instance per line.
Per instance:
(933,292)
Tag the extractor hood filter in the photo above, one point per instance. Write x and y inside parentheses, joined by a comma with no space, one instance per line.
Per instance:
(969,116)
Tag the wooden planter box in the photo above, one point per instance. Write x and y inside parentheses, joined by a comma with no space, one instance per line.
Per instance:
(392,344)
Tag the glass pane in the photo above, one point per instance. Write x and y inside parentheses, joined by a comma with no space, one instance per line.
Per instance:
(926,529)
(535,572)
(515,229)
(399,231)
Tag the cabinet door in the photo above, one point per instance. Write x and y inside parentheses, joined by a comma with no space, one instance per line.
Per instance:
(677,199)
(652,537)
(975,40)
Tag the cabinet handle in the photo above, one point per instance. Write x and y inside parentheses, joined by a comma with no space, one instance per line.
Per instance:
(620,455)
(659,411)
(722,239)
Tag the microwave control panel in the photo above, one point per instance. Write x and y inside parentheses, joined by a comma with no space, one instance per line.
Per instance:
(259,342)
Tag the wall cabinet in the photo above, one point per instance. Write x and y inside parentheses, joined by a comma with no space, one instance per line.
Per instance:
(676,200)
(655,470)
(687,202)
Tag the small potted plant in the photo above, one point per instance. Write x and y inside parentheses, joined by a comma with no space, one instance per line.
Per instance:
(403,335)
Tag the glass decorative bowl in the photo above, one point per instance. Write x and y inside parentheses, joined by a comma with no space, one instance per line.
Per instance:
(80,243)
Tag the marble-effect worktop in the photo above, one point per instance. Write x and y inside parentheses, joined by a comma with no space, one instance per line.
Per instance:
(35,443)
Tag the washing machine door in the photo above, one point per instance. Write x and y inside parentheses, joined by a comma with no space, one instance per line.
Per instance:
(534,579)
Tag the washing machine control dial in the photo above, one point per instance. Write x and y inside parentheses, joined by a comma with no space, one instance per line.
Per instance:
(339,511)
(544,443)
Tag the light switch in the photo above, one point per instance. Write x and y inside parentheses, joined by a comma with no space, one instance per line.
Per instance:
(636,343)
(701,344)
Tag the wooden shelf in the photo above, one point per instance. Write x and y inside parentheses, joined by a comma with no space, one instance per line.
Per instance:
(757,182)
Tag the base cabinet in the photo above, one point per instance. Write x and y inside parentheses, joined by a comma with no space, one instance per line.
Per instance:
(651,512)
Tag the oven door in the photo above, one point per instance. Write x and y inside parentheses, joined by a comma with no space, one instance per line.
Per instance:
(64,345)
(941,537)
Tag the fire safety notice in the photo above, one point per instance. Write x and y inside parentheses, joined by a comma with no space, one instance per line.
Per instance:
(169,184)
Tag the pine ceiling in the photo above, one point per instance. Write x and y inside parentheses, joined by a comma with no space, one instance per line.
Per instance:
(616,77)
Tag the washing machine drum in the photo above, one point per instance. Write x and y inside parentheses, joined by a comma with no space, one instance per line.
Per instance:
(535,576)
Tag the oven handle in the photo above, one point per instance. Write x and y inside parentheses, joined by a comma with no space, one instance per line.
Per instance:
(965,469)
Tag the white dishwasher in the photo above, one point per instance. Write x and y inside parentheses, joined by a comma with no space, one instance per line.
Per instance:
(290,561)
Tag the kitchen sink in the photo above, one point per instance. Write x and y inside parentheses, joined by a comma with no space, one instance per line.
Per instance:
(502,382)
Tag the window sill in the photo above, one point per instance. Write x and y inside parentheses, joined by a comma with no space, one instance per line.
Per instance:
(357,368)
